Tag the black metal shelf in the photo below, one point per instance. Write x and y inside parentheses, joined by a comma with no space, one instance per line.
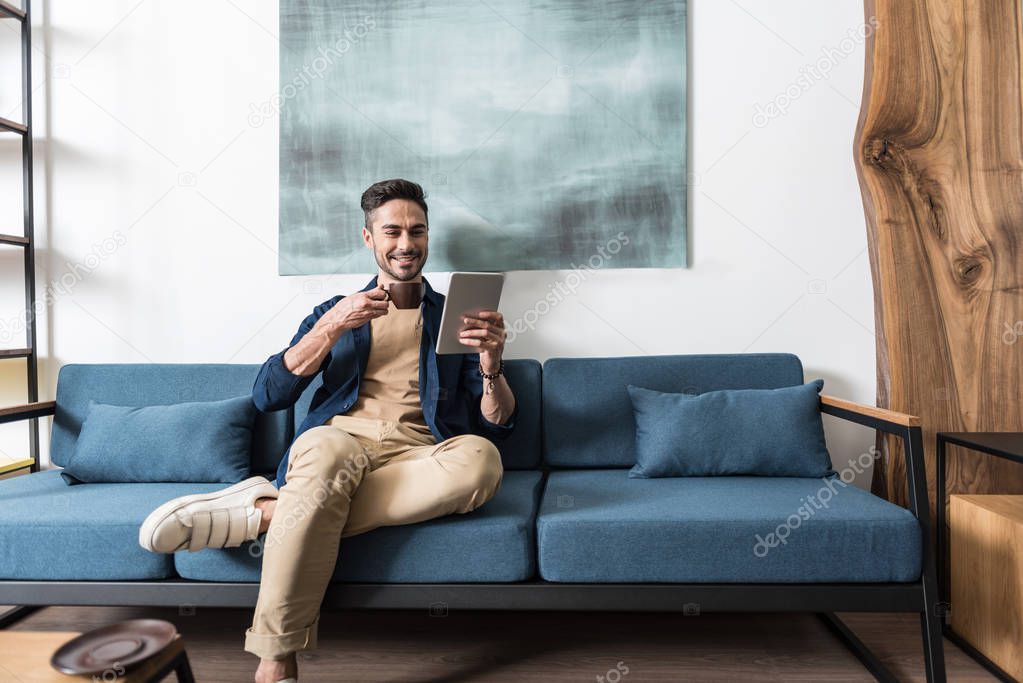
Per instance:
(17,240)
(13,126)
(9,11)
(29,351)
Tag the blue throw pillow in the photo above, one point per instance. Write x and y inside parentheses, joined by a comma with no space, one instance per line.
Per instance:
(767,432)
(184,442)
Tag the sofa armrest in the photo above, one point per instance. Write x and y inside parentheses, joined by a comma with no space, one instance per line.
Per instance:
(27,411)
(907,428)
(871,416)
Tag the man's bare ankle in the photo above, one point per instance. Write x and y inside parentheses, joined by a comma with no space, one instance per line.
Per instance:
(266,507)
(278,668)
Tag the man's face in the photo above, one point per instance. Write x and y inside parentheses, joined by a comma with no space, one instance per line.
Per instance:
(398,238)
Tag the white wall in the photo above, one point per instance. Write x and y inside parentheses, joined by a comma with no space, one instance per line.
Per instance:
(144,142)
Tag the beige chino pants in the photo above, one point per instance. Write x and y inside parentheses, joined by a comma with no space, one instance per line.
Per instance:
(346,477)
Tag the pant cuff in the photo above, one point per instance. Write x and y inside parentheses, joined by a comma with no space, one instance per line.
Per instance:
(279,646)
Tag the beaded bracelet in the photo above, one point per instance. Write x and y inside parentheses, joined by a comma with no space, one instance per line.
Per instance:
(490,378)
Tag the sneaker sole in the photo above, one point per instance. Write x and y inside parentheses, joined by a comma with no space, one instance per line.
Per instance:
(160,514)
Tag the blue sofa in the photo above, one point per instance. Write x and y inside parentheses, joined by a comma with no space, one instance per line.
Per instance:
(567,530)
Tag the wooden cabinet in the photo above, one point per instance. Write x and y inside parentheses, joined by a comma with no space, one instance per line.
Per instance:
(986,534)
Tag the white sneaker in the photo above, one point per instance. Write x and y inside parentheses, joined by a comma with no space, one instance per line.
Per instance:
(219,519)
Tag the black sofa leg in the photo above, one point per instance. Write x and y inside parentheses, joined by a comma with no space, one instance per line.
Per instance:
(16,614)
(863,653)
(934,652)
(933,615)
(934,657)
(931,630)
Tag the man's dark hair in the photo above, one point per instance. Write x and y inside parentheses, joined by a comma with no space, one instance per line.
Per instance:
(380,193)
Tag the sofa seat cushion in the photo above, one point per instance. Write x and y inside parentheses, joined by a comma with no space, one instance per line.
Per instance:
(603,526)
(493,543)
(88,532)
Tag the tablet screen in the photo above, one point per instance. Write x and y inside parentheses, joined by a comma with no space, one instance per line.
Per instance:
(468,293)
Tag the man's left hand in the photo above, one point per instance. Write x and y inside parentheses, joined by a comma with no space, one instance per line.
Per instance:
(485,330)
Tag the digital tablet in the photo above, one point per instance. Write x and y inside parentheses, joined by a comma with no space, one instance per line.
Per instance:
(468,293)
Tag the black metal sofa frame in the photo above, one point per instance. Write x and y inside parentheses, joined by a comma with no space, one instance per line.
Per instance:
(823,599)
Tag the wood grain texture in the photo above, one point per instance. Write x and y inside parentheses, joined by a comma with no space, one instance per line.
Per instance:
(939,156)
(871,411)
(18,410)
(987,576)
(26,659)
(411,646)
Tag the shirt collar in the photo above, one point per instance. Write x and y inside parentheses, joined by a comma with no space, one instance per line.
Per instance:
(431,297)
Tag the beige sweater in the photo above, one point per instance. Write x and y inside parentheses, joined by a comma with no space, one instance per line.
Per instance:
(389,389)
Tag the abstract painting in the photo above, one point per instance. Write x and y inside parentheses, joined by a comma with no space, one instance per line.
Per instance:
(545,132)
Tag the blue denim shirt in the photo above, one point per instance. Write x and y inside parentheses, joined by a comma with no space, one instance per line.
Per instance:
(450,388)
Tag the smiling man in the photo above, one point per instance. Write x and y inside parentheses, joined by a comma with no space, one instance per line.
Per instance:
(395,435)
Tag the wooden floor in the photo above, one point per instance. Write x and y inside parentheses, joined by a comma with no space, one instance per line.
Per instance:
(406,646)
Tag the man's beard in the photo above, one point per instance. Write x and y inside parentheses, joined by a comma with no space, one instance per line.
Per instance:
(398,274)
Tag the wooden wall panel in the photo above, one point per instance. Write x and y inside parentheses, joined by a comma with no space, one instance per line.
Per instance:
(939,156)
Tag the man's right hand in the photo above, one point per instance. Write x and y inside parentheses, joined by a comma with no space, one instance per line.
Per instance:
(306,356)
(354,310)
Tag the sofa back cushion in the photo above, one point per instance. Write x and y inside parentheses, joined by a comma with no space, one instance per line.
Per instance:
(194,441)
(588,417)
(151,384)
(521,450)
